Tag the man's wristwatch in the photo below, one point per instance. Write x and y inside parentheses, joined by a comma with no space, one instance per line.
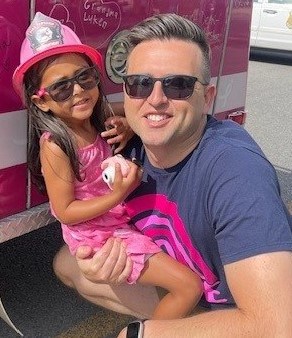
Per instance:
(135,329)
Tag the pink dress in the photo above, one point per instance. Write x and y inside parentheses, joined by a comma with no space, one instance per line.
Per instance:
(115,223)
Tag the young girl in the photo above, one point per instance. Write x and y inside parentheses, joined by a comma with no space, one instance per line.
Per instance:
(60,79)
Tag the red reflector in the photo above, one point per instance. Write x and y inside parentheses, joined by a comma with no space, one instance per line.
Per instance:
(238,117)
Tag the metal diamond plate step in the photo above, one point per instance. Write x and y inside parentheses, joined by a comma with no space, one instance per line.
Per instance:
(24,222)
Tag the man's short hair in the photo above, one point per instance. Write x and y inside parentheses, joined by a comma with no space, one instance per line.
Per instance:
(172,26)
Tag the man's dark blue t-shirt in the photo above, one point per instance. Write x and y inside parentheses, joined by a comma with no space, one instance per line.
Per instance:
(219,205)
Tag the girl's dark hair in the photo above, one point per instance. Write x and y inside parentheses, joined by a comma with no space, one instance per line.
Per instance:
(40,122)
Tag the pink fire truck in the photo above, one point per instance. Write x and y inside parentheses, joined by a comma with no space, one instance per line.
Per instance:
(103,24)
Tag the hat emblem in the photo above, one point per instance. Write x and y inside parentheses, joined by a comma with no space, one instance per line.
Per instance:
(44,35)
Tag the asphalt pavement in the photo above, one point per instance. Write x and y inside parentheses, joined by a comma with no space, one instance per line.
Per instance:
(269,119)
(37,303)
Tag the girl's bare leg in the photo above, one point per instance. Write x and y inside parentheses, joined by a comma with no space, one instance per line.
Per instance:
(184,286)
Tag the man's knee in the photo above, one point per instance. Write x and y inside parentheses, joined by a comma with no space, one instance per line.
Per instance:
(63,266)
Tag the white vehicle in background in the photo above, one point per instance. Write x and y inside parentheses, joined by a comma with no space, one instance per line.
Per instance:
(271,28)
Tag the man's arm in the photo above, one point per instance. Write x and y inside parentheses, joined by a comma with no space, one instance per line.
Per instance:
(262,289)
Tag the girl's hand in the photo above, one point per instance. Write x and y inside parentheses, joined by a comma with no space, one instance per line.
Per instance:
(123,186)
(119,132)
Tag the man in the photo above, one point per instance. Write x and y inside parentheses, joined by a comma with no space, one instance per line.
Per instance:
(209,197)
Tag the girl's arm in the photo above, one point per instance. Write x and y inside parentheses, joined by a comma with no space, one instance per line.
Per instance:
(59,181)
(118,133)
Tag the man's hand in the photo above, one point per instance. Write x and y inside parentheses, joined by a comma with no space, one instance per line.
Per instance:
(110,265)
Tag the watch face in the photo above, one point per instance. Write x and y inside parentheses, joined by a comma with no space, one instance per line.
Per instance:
(135,330)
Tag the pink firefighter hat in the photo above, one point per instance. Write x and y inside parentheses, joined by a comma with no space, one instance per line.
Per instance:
(46,37)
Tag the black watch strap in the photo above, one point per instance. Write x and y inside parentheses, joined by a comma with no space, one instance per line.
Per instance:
(135,329)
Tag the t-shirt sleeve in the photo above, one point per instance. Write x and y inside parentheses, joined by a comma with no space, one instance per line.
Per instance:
(245,207)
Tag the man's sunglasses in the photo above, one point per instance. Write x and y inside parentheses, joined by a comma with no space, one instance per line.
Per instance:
(177,87)
(60,91)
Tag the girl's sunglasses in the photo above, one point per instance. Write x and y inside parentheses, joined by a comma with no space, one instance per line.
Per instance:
(177,87)
(60,91)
